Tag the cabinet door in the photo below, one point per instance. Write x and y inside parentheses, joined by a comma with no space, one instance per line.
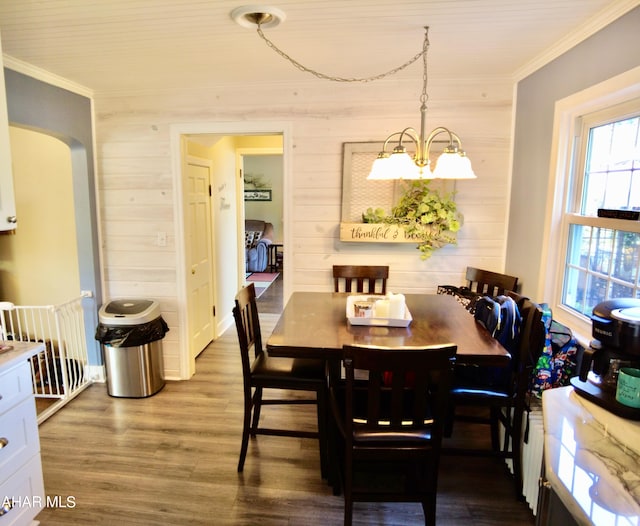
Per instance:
(7,200)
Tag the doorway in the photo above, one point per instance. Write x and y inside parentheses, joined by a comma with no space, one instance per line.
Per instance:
(224,142)
(40,261)
(262,170)
(262,174)
(40,105)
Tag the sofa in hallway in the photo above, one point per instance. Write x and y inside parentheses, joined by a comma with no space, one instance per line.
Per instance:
(258,235)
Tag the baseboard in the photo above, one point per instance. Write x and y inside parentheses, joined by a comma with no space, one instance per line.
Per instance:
(97,373)
(224,324)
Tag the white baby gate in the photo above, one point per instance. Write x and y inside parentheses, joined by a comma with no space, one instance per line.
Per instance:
(60,371)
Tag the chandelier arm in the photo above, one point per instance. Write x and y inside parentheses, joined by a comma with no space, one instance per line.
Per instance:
(386,142)
(409,132)
(412,134)
(332,78)
(437,131)
(457,139)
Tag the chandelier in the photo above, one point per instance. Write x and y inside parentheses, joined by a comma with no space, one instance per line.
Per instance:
(453,162)
(392,162)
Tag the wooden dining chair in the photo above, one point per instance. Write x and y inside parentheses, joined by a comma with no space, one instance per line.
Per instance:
(261,372)
(370,279)
(489,283)
(506,402)
(389,412)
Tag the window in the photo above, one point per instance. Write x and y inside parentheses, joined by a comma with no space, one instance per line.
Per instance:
(602,255)
(595,163)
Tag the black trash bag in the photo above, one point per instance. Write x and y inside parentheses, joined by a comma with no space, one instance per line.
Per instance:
(132,335)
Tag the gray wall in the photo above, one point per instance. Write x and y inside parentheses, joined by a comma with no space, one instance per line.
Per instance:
(67,116)
(613,50)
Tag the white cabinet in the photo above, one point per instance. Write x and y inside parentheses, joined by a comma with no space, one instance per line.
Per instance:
(21,484)
(7,198)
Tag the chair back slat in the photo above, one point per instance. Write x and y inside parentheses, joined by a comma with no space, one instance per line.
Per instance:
(370,279)
(490,283)
(405,387)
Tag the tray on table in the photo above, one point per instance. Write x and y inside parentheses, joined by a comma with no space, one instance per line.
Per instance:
(375,322)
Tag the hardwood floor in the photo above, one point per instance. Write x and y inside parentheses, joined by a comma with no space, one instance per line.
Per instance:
(271,300)
(171,459)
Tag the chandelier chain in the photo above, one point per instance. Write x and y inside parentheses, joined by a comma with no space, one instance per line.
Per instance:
(424,97)
(324,76)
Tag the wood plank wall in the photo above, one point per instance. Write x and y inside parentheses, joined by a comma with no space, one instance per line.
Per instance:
(135,175)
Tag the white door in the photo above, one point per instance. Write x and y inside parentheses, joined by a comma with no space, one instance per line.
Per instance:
(197,179)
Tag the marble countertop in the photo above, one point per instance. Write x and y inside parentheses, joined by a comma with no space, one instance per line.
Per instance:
(592,459)
(18,351)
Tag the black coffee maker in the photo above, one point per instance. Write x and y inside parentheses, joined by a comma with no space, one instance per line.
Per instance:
(616,332)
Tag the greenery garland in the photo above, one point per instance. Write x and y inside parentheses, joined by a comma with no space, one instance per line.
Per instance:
(423,214)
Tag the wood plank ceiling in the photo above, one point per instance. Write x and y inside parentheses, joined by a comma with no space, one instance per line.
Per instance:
(137,45)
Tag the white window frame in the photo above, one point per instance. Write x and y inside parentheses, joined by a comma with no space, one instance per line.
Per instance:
(567,131)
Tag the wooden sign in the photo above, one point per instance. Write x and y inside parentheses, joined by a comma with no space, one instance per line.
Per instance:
(375,233)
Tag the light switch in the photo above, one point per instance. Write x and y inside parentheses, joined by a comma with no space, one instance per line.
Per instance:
(162,239)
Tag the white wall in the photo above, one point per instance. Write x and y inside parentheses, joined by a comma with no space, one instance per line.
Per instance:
(135,177)
(225,232)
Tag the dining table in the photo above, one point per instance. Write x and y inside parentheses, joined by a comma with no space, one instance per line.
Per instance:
(315,325)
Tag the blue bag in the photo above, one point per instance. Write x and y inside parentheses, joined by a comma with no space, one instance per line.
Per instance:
(501,317)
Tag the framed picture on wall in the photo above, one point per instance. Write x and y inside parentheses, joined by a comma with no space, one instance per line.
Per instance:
(257,195)
(358,193)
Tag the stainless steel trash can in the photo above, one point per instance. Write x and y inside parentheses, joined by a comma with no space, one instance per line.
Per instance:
(131,332)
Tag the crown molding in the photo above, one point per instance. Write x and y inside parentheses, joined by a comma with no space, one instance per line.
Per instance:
(45,76)
(602,19)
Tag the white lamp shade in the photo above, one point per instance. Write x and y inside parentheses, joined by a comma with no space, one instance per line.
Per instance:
(453,166)
(403,166)
(379,170)
(396,166)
